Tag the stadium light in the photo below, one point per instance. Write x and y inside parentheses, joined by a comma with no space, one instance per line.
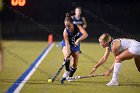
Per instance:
(18,2)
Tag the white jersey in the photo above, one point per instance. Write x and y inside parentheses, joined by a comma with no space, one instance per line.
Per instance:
(132,45)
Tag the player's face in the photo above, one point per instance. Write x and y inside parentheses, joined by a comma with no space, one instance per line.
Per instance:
(78,11)
(103,44)
(67,24)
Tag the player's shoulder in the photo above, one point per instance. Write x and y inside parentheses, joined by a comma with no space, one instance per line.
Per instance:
(115,45)
(65,31)
(115,42)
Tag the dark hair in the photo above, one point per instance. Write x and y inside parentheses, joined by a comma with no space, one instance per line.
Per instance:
(68,18)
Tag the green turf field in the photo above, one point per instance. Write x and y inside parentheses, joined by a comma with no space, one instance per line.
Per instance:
(18,56)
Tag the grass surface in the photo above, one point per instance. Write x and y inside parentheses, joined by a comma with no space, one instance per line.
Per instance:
(18,56)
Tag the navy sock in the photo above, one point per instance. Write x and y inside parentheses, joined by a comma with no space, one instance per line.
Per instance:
(72,71)
(67,65)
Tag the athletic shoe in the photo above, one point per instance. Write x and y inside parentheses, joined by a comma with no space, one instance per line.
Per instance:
(66,74)
(113,83)
(62,80)
(70,79)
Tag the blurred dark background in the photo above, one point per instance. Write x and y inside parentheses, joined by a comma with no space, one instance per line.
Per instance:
(38,18)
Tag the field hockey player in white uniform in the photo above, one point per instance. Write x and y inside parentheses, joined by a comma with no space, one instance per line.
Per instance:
(123,49)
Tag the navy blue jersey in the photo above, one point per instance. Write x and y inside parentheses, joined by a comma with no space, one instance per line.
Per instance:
(73,36)
(78,21)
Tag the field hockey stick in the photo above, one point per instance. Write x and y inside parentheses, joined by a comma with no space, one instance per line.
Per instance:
(60,69)
(81,77)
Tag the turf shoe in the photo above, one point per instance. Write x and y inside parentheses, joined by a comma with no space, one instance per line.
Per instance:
(62,80)
(113,83)
(70,80)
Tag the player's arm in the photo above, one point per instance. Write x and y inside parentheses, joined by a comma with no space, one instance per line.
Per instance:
(84,34)
(102,60)
(65,36)
(84,23)
(115,47)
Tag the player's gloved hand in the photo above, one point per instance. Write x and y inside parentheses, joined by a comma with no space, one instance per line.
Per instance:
(107,73)
(93,70)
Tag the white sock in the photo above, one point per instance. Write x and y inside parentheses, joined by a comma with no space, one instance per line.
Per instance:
(116,70)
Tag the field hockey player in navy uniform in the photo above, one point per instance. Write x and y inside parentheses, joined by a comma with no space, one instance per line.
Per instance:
(71,45)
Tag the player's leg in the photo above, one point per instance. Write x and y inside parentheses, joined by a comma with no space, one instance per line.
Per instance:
(126,55)
(137,62)
(67,64)
(136,51)
(68,61)
(75,55)
(73,68)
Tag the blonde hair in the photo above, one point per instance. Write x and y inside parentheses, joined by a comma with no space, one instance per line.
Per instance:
(105,37)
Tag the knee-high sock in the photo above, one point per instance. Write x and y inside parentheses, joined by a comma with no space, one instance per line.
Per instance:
(116,70)
(72,71)
(67,65)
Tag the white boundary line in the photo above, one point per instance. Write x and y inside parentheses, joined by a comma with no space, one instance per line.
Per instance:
(19,87)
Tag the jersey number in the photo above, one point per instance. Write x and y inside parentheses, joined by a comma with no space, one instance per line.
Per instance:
(73,40)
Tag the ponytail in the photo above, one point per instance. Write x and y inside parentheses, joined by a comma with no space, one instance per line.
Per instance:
(68,18)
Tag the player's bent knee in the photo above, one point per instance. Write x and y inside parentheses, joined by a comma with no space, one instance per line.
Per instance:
(118,59)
